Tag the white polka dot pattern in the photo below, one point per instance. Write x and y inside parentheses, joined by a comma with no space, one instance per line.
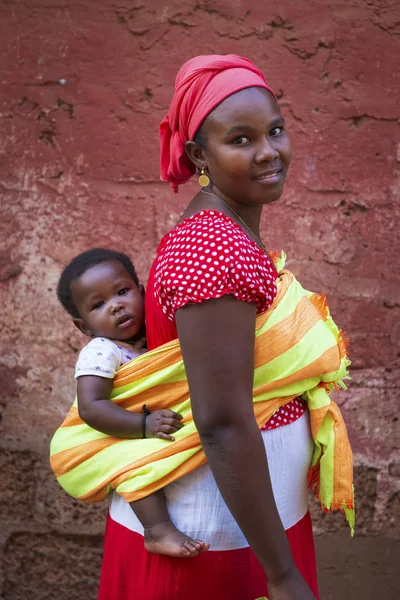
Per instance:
(286,414)
(208,256)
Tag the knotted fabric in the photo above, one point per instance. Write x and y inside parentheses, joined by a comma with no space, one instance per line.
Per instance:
(299,351)
(201,84)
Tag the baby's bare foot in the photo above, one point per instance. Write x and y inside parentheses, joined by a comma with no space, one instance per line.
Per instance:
(165,538)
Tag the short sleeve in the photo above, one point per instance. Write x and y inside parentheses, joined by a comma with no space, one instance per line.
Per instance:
(209,256)
(99,357)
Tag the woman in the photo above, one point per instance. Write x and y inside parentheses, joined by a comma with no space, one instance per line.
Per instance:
(210,278)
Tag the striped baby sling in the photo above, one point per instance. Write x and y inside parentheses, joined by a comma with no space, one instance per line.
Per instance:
(299,351)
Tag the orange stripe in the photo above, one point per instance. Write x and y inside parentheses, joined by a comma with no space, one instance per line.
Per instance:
(72,418)
(100,495)
(320,303)
(66,460)
(344,343)
(145,368)
(157,397)
(317,415)
(286,334)
(283,282)
(343,463)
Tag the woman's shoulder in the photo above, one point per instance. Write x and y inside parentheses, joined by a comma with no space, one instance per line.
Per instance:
(208,219)
(206,228)
(209,238)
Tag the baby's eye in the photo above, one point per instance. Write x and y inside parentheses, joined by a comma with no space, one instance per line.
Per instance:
(97,305)
(123,291)
(241,140)
(276,131)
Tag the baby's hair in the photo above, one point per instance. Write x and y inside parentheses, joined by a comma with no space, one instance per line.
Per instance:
(82,263)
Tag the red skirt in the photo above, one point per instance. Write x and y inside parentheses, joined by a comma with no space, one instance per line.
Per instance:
(131,573)
(229,570)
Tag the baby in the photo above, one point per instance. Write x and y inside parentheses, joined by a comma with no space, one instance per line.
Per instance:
(101,291)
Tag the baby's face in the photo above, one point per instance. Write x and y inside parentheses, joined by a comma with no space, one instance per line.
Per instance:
(109,302)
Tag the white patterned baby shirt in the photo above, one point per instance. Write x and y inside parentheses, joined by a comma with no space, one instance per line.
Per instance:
(102,357)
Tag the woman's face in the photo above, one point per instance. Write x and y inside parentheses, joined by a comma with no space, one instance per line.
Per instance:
(248,151)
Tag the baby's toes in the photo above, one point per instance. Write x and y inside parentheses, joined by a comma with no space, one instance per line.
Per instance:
(204,546)
(186,550)
(190,546)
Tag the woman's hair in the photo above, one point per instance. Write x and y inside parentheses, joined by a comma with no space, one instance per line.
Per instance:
(200,138)
(82,263)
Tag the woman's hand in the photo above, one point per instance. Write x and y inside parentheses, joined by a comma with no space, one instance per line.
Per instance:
(161,423)
(290,587)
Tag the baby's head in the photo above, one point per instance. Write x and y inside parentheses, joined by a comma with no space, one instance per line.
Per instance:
(101,291)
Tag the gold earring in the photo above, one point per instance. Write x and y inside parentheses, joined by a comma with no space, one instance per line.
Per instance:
(204,179)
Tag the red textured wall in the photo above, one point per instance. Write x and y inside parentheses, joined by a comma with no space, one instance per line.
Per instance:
(83,87)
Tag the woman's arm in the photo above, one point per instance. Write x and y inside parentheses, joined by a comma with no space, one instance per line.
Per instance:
(217,340)
(96,409)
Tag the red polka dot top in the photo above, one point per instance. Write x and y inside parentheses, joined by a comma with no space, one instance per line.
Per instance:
(207,256)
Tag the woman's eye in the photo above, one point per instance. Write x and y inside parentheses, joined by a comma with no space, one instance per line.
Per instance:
(97,305)
(276,131)
(123,291)
(241,140)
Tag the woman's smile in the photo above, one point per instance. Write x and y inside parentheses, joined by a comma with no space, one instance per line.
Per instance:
(269,177)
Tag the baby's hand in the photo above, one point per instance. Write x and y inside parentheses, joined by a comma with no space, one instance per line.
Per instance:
(161,423)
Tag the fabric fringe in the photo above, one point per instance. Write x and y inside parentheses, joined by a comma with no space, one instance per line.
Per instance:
(344,343)
(313,479)
(321,305)
(274,256)
(346,507)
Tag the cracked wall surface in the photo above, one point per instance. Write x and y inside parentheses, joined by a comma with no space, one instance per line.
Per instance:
(83,88)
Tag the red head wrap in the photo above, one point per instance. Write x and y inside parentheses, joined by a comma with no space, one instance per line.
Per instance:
(201,84)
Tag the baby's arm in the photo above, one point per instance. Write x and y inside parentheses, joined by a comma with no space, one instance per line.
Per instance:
(97,410)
